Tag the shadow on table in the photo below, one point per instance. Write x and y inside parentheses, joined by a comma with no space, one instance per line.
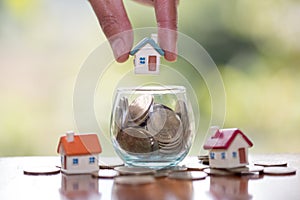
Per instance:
(162,189)
(79,187)
(231,187)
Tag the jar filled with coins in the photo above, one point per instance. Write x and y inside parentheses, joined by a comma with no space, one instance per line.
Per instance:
(152,126)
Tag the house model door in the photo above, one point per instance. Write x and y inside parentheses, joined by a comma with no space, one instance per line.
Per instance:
(242,155)
(152,63)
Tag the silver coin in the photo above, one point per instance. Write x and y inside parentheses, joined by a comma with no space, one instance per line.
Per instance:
(118,119)
(124,107)
(177,168)
(136,140)
(156,121)
(138,109)
(218,172)
(181,110)
(134,180)
(279,171)
(106,173)
(41,170)
(195,166)
(172,129)
(271,163)
(161,173)
(247,169)
(189,175)
(128,170)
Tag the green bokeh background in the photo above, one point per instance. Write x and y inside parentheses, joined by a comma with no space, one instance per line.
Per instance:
(255,44)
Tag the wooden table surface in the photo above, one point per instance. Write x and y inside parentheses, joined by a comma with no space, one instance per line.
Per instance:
(15,185)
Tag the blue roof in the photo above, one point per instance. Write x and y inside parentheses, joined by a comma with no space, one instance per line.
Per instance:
(145,41)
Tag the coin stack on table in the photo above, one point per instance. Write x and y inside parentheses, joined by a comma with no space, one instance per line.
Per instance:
(144,126)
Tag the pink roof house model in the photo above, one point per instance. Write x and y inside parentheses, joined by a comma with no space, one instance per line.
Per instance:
(147,55)
(79,153)
(228,148)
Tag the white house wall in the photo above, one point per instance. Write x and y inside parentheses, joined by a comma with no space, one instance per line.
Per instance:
(146,51)
(83,164)
(229,161)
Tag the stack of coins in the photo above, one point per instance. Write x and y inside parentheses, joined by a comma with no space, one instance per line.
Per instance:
(144,126)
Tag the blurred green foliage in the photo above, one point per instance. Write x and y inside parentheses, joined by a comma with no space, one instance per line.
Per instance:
(255,45)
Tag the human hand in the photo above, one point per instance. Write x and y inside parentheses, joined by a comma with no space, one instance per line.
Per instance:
(117,28)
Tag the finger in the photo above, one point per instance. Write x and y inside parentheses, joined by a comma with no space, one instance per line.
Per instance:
(166,17)
(115,24)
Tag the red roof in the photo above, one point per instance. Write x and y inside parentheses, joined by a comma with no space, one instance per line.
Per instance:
(81,145)
(223,138)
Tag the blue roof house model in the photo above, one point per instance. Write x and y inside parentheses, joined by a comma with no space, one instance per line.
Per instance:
(147,55)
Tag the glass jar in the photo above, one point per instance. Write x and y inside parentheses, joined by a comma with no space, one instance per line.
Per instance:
(152,126)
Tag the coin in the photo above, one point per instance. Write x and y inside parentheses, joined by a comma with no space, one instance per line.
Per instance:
(195,166)
(124,107)
(217,172)
(134,180)
(126,170)
(177,168)
(279,171)
(41,170)
(247,170)
(138,109)
(271,163)
(118,120)
(105,173)
(172,129)
(182,111)
(161,173)
(136,140)
(189,175)
(157,120)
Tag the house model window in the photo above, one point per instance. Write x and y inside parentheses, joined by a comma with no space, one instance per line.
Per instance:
(147,55)
(75,161)
(234,154)
(142,60)
(92,160)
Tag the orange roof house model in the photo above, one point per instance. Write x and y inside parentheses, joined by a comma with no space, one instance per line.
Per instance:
(228,148)
(79,153)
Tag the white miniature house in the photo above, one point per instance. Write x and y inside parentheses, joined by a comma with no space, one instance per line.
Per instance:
(147,55)
(79,153)
(228,148)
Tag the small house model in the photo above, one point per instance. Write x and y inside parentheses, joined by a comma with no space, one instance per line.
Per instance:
(147,55)
(228,148)
(79,153)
